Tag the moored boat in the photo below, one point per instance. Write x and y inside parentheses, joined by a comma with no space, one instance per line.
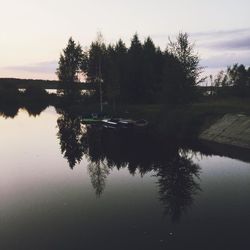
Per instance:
(91,121)
(111,123)
(126,123)
(118,123)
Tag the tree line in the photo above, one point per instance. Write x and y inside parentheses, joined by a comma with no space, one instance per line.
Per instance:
(140,73)
(235,80)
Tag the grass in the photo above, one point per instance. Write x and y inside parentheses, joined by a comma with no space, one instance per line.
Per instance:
(208,106)
(186,121)
(219,106)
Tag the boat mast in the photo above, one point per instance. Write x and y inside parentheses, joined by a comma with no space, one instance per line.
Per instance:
(100,84)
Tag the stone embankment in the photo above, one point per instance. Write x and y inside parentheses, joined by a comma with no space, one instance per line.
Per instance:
(231,129)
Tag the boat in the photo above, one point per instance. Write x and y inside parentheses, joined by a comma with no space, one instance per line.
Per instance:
(111,123)
(91,121)
(94,118)
(118,123)
(126,123)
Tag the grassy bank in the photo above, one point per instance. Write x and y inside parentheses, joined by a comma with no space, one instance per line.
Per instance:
(185,122)
(220,106)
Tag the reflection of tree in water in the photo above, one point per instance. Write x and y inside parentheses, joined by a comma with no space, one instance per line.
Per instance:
(177,174)
(36,108)
(105,149)
(71,135)
(177,181)
(9,111)
(98,172)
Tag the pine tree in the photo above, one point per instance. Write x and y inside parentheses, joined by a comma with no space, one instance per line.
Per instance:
(135,61)
(70,62)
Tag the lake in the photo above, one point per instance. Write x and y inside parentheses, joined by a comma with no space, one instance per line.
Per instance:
(66,185)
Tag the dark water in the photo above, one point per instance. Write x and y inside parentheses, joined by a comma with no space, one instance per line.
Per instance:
(64,185)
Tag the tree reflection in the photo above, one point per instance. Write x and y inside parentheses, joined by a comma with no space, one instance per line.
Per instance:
(98,172)
(35,109)
(71,134)
(9,111)
(141,153)
(178,183)
(104,149)
(178,176)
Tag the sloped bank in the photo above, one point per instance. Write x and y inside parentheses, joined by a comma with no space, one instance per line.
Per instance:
(231,130)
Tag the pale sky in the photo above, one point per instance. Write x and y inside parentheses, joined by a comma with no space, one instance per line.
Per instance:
(33,32)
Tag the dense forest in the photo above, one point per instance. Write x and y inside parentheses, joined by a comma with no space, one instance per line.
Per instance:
(141,73)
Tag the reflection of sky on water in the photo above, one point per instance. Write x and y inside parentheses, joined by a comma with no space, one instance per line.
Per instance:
(45,202)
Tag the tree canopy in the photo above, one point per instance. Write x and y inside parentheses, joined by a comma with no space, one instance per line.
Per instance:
(237,77)
(70,62)
(140,73)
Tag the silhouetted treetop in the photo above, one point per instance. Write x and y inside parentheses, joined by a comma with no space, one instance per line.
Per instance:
(70,62)
(184,51)
(139,73)
(237,77)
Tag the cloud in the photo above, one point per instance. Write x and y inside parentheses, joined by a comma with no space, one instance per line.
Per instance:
(226,59)
(214,40)
(205,34)
(220,33)
(41,67)
(238,39)
(242,43)
(224,48)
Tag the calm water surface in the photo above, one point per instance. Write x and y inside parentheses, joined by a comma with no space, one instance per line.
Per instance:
(64,185)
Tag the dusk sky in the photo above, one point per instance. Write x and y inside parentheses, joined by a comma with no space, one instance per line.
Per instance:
(33,32)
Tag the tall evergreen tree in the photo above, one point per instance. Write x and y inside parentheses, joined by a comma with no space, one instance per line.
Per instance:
(159,67)
(149,70)
(70,62)
(135,62)
(112,76)
(121,62)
